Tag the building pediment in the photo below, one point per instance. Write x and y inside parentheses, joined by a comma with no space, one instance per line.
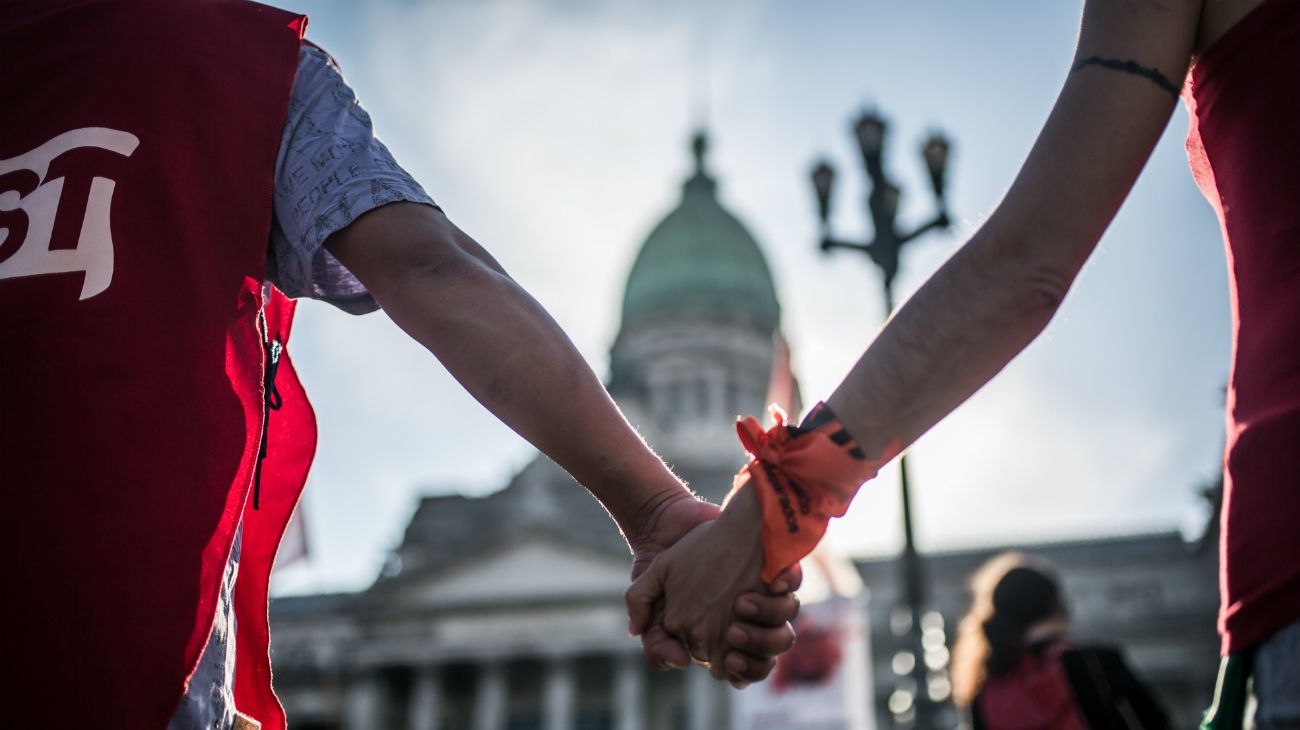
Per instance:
(531,569)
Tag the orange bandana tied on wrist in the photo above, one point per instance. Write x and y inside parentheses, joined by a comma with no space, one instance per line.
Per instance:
(805,476)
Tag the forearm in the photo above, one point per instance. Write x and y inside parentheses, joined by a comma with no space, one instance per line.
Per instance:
(504,348)
(448,294)
(975,314)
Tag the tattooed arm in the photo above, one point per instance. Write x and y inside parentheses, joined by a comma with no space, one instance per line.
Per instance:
(998,292)
(990,300)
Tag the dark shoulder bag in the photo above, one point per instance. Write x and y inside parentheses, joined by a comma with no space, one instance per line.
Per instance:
(1109,694)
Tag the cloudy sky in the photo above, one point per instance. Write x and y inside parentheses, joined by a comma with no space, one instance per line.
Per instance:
(556,133)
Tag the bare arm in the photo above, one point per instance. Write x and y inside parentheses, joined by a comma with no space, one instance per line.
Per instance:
(448,293)
(451,296)
(998,292)
(990,300)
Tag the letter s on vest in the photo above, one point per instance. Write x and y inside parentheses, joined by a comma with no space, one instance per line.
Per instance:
(32,205)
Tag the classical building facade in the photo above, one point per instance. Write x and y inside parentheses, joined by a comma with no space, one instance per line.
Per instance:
(505,612)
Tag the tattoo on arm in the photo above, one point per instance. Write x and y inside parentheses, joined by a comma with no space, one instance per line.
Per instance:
(1131,67)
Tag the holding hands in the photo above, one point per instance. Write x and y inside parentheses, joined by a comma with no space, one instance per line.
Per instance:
(720,613)
(720,570)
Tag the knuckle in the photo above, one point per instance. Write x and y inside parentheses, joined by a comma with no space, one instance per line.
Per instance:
(762,610)
(655,656)
(739,634)
(737,664)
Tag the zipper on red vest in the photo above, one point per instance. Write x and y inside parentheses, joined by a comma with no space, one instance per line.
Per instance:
(271,400)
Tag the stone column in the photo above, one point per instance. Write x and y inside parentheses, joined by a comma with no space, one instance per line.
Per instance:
(364,703)
(717,381)
(700,699)
(629,692)
(426,699)
(558,698)
(490,697)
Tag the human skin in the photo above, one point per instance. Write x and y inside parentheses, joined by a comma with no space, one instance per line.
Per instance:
(990,299)
(451,296)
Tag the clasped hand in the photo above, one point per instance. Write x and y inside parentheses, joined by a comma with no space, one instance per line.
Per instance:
(697,592)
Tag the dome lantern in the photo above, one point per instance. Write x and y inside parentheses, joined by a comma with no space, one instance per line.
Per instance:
(700,260)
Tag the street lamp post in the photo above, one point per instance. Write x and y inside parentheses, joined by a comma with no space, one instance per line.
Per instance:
(883,249)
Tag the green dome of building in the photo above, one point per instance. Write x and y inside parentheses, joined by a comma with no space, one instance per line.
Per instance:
(701,259)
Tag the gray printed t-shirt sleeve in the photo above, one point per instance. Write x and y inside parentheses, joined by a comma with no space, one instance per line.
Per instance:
(331,169)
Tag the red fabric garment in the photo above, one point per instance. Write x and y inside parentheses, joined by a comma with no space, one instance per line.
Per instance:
(137,153)
(1036,696)
(803,480)
(1244,150)
(290,448)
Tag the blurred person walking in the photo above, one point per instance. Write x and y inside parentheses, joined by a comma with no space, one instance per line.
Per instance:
(1015,667)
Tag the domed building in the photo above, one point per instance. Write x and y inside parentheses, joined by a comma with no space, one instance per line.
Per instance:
(506,611)
(700,341)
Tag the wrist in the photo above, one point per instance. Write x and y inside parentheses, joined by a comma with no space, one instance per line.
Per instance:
(743,513)
(741,528)
(639,499)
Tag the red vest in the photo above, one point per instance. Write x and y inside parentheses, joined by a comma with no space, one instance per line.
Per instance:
(1244,149)
(137,150)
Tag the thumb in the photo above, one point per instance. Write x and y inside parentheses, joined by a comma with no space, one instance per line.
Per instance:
(788,580)
(641,597)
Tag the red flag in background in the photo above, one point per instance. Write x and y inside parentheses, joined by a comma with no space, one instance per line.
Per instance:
(293,546)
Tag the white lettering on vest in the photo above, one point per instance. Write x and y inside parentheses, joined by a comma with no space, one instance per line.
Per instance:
(30,212)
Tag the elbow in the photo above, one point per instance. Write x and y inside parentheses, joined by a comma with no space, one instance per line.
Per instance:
(440,262)
(1039,258)
(401,247)
(436,280)
(1032,281)
(1042,288)
(445,258)
(1026,298)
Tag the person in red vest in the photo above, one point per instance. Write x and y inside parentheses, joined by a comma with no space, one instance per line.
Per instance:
(167,170)
(1235,62)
